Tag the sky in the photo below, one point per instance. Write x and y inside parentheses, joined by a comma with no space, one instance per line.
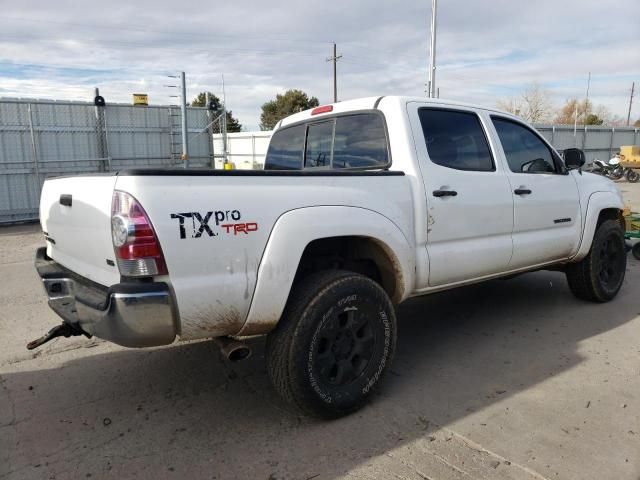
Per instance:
(486,49)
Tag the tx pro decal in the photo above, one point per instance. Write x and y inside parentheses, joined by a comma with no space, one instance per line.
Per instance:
(226,222)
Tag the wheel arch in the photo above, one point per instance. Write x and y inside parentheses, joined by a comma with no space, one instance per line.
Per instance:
(309,239)
(601,206)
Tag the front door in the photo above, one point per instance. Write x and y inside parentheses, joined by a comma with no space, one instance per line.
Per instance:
(469,201)
(547,220)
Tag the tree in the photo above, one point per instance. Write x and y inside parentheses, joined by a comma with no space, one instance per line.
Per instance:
(637,123)
(292,101)
(585,111)
(568,112)
(233,125)
(593,119)
(533,105)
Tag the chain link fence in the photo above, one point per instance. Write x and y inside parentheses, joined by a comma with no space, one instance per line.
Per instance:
(40,139)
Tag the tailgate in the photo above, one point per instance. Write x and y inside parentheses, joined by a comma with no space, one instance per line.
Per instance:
(75,214)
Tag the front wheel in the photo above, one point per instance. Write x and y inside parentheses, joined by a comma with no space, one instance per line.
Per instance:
(599,276)
(333,344)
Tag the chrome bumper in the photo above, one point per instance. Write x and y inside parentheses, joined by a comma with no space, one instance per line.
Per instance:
(131,314)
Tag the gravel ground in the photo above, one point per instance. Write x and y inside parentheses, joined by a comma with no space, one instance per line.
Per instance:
(508,379)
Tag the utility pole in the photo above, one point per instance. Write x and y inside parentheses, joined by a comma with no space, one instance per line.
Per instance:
(103,148)
(432,65)
(586,103)
(210,121)
(335,59)
(575,126)
(183,111)
(224,125)
(633,87)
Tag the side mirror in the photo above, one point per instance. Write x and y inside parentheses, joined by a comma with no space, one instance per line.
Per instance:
(573,158)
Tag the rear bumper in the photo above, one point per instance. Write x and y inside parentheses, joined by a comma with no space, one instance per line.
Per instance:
(129,314)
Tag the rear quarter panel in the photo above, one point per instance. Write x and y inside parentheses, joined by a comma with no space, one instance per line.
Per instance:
(213,270)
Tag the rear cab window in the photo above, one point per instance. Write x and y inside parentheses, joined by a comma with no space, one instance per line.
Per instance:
(285,149)
(344,141)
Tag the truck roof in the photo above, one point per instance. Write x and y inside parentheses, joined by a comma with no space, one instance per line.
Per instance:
(368,103)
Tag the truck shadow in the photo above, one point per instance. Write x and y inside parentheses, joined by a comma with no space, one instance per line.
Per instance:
(181,410)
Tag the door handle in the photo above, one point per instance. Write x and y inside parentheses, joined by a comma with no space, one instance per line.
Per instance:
(522,191)
(444,193)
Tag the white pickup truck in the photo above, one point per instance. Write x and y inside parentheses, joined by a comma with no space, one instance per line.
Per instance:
(361,205)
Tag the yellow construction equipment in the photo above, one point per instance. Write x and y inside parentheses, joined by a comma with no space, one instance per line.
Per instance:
(630,156)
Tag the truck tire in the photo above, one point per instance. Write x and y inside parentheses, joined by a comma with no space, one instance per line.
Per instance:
(635,250)
(599,276)
(333,344)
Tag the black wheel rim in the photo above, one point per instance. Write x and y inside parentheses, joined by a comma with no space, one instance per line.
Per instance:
(345,347)
(611,262)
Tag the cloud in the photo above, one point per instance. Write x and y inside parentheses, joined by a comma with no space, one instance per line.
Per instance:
(486,50)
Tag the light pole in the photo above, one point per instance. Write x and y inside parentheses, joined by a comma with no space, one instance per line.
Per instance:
(432,64)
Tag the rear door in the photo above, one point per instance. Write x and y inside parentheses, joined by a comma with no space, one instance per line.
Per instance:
(469,201)
(547,220)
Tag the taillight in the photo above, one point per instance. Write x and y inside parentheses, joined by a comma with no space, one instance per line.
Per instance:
(134,241)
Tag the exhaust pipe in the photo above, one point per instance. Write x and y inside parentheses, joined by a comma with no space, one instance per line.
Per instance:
(233,350)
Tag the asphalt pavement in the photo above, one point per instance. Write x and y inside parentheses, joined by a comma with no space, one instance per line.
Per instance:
(510,379)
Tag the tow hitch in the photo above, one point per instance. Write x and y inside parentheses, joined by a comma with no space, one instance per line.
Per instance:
(62,330)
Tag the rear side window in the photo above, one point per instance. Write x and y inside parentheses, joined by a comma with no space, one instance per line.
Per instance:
(455,139)
(524,150)
(286,149)
(344,141)
(360,142)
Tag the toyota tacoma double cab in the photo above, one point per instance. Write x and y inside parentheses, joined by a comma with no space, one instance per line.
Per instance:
(360,205)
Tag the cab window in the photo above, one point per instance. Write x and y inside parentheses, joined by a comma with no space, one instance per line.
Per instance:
(360,142)
(285,149)
(525,151)
(455,139)
(355,141)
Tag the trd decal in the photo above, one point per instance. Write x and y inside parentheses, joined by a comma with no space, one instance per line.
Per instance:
(199,223)
(240,227)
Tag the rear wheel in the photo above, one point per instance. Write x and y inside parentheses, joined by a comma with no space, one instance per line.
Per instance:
(599,276)
(632,176)
(333,344)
